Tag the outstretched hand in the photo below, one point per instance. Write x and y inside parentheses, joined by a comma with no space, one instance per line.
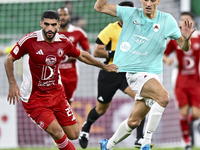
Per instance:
(186,30)
(14,94)
(111,68)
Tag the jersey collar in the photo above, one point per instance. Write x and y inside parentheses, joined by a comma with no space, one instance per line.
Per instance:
(150,20)
(41,38)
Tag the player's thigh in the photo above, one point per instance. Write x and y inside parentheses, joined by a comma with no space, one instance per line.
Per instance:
(108,84)
(195,100)
(55,130)
(184,110)
(130,92)
(65,116)
(138,113)
(154,89)
(182,98)
(71,131)
(70,88)
(125,87)
(39,113)
(195,112)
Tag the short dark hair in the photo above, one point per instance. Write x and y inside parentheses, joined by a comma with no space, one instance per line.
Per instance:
(51,14)
(188,13)
(68,2)
(126,3)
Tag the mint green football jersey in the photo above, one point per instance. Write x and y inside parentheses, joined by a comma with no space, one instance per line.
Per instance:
(142,41)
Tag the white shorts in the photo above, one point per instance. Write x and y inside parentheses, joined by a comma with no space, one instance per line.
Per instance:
(136,82)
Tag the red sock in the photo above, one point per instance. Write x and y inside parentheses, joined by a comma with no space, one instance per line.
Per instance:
(185,129)
(65,144)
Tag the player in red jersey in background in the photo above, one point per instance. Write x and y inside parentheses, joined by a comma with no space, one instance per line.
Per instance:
(187,87)
(68,69)
(41,92)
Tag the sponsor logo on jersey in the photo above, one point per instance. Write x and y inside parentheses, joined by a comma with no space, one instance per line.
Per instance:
(125,46)
(140,39)
(50,60)
(138,53)
(156,27)
(40,52)
(60,52)
(135,22)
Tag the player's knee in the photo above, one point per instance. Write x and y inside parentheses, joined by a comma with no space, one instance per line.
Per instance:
(133,123)
(101,110)
(56,134)
(164,99)
(73,136)
(195,116)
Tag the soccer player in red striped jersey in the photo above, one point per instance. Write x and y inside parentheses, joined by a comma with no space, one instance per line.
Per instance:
(41,92)
(68,67)
(187,84)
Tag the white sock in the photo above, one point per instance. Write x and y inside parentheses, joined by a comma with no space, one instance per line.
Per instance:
(122,132)
(155,115)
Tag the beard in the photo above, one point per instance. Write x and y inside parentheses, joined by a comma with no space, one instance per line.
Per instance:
(49,37)
(64,25)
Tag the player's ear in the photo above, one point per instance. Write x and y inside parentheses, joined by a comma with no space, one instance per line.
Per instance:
(159,1)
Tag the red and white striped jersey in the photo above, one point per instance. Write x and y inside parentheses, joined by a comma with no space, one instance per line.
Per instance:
(41,75)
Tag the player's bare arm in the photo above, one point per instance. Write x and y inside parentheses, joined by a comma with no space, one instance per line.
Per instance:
(73,58)
(88,59)
(99,51)
(14,91)
(103,7)
(186,31)
(167,60)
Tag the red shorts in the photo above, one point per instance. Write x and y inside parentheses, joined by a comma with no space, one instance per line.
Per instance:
(69,80)
(44,110)
(188,96)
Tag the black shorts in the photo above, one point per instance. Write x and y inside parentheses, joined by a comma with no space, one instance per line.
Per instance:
(109,83)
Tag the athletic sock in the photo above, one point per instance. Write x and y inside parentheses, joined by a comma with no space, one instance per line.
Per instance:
(140,129)
(65,144)
(185,129)
(155,115)
(92,117)
(122,132)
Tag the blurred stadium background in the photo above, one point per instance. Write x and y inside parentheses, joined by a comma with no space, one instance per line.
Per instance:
(18,17)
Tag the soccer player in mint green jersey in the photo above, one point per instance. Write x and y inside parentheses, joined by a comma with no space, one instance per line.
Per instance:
(139,52)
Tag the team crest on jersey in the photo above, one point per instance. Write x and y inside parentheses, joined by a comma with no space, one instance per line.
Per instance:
(60,52)
(156,27)
(41,124)
(50,60)
(71,38)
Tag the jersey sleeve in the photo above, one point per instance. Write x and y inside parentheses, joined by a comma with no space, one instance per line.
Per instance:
(170,47)
(105,35)
(19,49)
(71,50)
(172,29)
(84,43)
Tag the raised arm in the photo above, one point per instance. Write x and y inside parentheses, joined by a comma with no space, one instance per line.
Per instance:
(103,7)
(88,59)
(186,31)
(14,92)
